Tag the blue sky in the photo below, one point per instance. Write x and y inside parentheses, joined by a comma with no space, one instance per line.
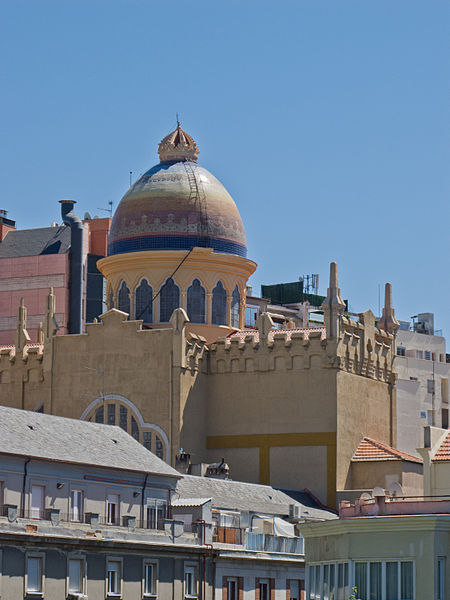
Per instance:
(328,122)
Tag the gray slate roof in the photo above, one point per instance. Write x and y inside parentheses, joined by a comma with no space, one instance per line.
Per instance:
(33,242)
(252,497)
(38,435)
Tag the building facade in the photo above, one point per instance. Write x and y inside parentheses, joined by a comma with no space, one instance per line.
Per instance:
(385,547)
(88,512)
(422,384)
(34,260)
(170,361)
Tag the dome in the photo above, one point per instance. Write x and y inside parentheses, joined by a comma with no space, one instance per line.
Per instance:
(177,205)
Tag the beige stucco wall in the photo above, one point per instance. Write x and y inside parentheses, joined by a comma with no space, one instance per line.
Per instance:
(363,410)
(440,474)
(290,465)
(369,474)
(287,400)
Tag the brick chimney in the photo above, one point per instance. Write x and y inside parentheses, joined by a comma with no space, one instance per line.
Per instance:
(5,224)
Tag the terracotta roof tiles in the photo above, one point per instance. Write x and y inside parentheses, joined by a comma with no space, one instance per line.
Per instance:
(370,449)
(443,452)
(288,332)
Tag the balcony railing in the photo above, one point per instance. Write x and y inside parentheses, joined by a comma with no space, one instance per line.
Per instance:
(261,542)
(272,543)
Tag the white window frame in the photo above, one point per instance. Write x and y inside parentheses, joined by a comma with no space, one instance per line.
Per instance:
(154,564)
(44,496)
(160,509)
(108,503)
(119,561)
(191,569)
(235,580)
(81,492)
(82,559)
(351,575)
(33,593)
(264,581)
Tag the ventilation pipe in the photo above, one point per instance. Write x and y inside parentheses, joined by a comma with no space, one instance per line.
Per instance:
(76,265)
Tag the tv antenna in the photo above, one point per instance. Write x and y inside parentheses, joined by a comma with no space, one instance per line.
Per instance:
(108,210)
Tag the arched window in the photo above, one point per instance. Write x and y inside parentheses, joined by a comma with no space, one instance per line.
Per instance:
(123,299)
(219,305)
(235,306)
(134,429)
(115,411)
(144,302)
(159,448)
(196,302)
(169,300)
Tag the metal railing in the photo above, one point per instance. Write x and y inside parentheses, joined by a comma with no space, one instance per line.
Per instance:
(272,543)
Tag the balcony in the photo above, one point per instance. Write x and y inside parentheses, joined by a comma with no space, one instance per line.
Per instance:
(263,542)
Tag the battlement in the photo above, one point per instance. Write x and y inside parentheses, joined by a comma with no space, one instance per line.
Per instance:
(359,347)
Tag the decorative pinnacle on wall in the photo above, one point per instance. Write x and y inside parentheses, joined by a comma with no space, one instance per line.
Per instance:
(50,324)
(21,338)
(178,146)
(388,322)
(333,306)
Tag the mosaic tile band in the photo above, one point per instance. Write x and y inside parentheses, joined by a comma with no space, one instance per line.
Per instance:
(175,243)
(177,205)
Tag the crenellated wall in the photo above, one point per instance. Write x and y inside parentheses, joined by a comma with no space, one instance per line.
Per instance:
(282,407)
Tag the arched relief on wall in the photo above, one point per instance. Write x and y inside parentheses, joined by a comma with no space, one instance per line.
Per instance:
(315,361)
(298,362)
(279,363)
(221,366)
(150,435)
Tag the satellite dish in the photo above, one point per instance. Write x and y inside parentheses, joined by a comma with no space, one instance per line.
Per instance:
(87,216)
(378,491)
(395,489)
(365,496)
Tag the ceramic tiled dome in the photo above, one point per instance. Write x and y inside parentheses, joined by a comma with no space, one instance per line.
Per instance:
(177,205)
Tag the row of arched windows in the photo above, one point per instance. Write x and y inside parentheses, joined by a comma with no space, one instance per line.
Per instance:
(169,300)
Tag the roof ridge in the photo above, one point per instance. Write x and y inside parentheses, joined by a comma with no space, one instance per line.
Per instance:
(386,448)
(443,452)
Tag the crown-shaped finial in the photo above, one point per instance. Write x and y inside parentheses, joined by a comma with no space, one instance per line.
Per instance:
(178,145)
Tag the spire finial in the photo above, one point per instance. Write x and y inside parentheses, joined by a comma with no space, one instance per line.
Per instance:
(388,322)
(333,306)
(333,275)
(178,146)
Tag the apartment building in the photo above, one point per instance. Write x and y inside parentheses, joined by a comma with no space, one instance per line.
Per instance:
(422,384)
(387,548)
(88,512)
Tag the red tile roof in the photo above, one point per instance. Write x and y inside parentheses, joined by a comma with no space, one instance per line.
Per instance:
(444,450)
(288,332)
(369,449)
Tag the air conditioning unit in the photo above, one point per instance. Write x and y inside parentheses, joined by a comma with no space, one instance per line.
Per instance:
(295,511)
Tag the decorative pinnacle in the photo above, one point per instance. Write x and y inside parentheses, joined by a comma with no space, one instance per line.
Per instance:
(388,322)
(333,306)
(177,146)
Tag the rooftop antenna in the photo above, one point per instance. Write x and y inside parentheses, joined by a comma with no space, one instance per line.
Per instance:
(178,120)
(131,173)
(108,210)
